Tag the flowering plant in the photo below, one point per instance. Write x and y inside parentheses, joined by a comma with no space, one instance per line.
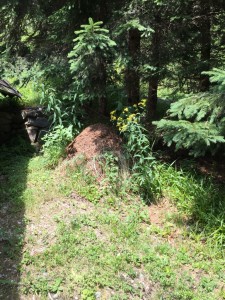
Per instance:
(130,114)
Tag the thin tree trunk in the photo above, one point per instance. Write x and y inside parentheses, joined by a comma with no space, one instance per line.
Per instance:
(102,102)
(102,83)
(154,78)
(152,97)
(205,29)
(132,73)
(20,11)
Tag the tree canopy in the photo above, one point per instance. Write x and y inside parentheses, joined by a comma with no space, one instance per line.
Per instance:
(140,48)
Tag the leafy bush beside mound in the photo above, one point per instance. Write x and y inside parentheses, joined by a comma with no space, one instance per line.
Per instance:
(55,144)
(197,122)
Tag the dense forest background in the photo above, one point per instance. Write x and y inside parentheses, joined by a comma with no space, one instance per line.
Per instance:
(150,50)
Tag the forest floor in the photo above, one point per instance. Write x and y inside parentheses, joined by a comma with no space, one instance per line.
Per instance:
(63,237)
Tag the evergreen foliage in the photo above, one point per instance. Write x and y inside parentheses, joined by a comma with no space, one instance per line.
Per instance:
(159,42)
(88,61)
(149,47)
(198,122)
(196,137)
(217,76)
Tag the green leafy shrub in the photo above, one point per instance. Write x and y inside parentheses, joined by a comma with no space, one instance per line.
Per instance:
(116,178)
(143,162)
(197,122)
(54,144)
(62,109)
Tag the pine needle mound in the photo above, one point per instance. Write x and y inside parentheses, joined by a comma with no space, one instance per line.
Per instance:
(93,141)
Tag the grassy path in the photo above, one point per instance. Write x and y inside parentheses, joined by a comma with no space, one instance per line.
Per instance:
(62,238)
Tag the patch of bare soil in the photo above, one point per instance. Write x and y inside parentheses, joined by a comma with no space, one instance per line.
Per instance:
(159,211)
(159,215)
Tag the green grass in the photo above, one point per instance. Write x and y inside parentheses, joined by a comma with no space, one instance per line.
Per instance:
(201,199)
(31,96)
(80,239)
(120,259)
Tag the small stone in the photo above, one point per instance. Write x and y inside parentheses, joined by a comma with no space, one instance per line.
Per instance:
(41,134)
(39,122)
(29,113)
(53,296)
(98,295)
(32,132)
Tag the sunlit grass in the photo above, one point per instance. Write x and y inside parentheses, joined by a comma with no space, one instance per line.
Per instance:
(104,243)
(30,94)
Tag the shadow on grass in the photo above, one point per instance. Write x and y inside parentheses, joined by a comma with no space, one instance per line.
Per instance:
(14,161)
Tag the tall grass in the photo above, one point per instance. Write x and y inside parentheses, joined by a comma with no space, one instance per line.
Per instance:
(199,197)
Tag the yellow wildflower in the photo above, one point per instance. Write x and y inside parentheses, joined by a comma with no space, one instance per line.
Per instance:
(113,118)
(123,128)
(142,103)
(131,117)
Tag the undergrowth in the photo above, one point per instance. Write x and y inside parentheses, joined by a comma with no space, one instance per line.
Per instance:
(200,198)
(55,142)
(111,248)
(105,246)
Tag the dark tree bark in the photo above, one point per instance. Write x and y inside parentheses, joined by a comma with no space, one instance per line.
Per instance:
(154,77)
(20,10)
(132,73)
(152,96)
(102,102)
(102,83)
(205,33)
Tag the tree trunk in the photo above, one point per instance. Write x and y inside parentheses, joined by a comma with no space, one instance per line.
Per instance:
(20,11)
(205,31)
(102,102)
(102,83)
(154,77)
(132,73)
(152,97)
